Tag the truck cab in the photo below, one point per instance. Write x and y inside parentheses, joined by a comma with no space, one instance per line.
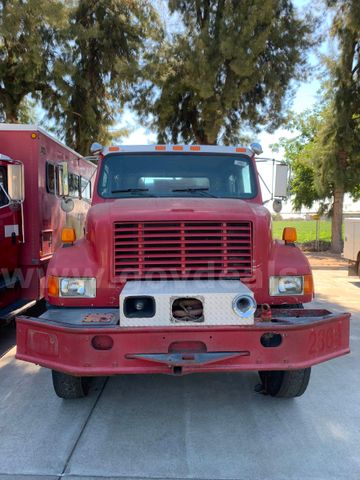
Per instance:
(178,273)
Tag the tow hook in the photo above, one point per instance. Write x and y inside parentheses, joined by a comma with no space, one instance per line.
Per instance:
(266,315)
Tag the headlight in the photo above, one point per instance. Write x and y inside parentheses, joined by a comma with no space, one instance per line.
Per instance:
(77,287)
(287,285)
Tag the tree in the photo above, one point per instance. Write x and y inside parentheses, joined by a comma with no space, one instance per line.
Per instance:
(342,131)
(100,62)
(229,68)
(325,157)
(316,174)
(29,35)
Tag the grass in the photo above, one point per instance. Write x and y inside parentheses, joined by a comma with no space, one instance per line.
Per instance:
(306,229)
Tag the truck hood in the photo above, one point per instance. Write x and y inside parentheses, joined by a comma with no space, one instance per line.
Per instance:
(163,209)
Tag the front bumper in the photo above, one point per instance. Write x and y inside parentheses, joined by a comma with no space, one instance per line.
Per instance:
(307,337)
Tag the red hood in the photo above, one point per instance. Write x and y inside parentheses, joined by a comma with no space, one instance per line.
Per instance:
(146,209)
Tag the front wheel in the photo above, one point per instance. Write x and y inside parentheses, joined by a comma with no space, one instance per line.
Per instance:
(285,383)
(70,387)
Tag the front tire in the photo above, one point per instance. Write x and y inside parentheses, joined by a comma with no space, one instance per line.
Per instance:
(70,387)
(285,383)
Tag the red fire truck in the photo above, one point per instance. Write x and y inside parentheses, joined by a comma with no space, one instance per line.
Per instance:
(178,273)
(37,174)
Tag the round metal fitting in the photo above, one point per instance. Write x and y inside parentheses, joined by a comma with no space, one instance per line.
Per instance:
(244,306)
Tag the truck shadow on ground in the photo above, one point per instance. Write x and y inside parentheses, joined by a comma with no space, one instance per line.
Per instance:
(7,338)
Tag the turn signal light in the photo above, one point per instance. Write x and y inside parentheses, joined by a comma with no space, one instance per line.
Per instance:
(53,286)
(308,284)
(289,235)
(68,235)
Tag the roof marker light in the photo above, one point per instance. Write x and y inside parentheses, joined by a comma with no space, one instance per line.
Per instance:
(178,147)
(114,149)
(160,147)
(194,148)
(241,150)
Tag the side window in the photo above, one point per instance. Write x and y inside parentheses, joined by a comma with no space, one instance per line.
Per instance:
(3,177)
(4,200)
(85,188)
(50,177)
(74,185)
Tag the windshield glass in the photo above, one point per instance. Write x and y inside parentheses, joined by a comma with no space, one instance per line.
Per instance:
(177,175)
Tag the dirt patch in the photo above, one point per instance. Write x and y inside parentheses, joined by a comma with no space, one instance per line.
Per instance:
(326,260)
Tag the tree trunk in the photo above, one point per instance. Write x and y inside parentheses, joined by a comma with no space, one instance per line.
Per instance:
(11,105)
(336,224)
(12,113)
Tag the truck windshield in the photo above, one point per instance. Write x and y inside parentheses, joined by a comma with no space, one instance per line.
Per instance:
(177,175)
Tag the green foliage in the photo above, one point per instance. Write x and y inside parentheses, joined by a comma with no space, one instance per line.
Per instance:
(98,65)
(229,68)
(306,229)
(310,180)
(325,156)
(29,36)
(343,128)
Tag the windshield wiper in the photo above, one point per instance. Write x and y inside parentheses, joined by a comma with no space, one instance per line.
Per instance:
(134,190)
(203,191)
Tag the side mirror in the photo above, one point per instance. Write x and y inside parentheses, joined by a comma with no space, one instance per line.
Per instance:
(67,205)
(16,187)
(256,148)
(277,205)
(281,180)
(96,148)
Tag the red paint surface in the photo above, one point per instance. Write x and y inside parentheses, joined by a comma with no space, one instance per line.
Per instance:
(70,349)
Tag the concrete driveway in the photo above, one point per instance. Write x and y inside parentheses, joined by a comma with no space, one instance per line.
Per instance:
(208,426)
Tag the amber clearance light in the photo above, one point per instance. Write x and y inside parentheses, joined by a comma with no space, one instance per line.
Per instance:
(289,235)
(308,284)
(53,286)
(68,235)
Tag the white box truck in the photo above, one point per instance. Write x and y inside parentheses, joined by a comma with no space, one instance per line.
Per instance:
(352,244)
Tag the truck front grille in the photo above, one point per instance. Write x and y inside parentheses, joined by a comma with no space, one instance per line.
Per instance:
(179,250)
